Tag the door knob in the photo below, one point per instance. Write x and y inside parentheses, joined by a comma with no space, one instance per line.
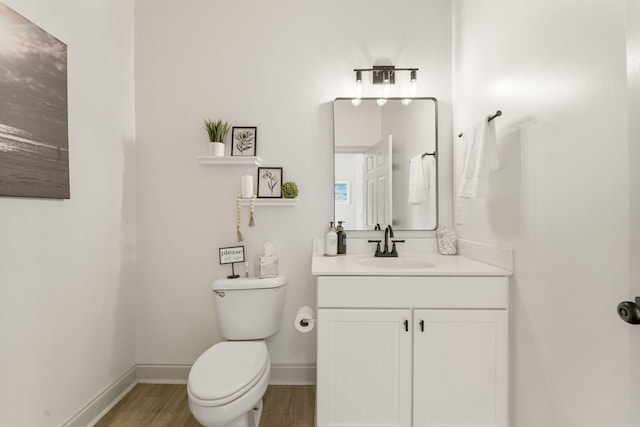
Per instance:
(630,311)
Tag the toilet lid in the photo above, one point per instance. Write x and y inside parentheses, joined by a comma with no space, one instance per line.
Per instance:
(225,371)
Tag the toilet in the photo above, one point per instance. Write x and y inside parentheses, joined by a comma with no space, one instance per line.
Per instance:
(227,382)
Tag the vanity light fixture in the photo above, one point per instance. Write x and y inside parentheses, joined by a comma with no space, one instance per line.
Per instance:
(385,75)
(412,88)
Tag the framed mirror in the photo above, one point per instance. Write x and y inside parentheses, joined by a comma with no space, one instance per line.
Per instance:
(386,163)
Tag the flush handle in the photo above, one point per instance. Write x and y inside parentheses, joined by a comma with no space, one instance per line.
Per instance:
(219,293)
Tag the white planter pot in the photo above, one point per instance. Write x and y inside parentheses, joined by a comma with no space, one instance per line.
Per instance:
(216,149)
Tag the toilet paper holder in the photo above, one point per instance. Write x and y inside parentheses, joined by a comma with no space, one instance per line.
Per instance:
(305,322)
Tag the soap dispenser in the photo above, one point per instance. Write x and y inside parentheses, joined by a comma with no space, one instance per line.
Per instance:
(342,239)
(331,242)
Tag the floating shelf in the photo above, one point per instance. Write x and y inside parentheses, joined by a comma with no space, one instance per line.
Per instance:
(271,202)
(230,160)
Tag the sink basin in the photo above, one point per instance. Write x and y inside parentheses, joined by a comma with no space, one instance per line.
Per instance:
(396,263)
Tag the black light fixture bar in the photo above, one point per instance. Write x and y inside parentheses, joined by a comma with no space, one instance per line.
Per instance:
(380,72)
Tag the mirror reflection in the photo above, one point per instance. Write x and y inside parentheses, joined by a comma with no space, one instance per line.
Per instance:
(385,163)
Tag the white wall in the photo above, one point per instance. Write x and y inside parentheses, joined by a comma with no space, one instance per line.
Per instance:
(561,198)
(67,270)
(633,71)
(277,65)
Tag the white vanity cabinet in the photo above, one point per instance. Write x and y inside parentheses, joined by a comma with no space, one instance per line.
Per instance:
(412,351)
(364,368)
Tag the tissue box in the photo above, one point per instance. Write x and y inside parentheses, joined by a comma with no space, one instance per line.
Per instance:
(266,266)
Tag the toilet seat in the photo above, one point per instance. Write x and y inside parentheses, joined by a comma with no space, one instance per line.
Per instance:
(226,371)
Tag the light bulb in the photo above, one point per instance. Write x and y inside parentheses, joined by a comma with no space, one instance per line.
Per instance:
(412,89)
(358,84)
(381,101)
(386,84)
(406,101)
(356,101)
(386,89)
(412,83)
(358,91)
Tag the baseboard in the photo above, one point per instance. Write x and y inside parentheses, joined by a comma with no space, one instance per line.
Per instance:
(281,374)
(163,374)
(293,374)
(494,255)
(103,402)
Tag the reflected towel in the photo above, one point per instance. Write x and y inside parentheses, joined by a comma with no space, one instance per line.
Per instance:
(420,168)
(480,159)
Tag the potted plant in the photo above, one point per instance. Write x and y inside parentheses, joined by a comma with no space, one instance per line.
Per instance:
(217,131)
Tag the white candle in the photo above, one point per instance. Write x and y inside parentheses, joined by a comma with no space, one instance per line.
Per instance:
(246,184)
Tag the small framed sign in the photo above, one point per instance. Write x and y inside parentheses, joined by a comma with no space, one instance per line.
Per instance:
(231,254)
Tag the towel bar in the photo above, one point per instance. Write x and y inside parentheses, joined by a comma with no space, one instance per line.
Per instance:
(434,154)
(497,114)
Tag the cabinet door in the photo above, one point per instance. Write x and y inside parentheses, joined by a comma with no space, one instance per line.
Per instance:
(364,368)
(460,368)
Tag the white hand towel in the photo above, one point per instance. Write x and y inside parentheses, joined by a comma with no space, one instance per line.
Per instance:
(480,159)
(419,179)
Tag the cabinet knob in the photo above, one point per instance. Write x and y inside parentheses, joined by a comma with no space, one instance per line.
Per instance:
(406,325)
(421,325)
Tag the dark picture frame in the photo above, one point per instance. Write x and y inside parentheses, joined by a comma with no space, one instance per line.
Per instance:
(244,140)
(269,182)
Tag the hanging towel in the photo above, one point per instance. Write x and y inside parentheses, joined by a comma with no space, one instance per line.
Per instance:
(480,159)
(420,168)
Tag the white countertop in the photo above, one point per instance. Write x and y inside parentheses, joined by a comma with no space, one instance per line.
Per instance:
(408,265)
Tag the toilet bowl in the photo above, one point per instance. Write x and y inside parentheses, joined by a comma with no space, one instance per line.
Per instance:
(227,382)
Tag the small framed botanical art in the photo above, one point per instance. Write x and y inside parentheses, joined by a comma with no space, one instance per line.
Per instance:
(244,140)
(269,183)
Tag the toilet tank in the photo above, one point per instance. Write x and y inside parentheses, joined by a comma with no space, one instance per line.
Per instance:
(250,308)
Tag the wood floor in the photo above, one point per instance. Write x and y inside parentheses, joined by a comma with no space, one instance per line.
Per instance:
(165,405)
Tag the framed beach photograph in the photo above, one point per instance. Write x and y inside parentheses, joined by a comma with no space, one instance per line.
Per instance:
(244,140)
(34,136)
(269,183)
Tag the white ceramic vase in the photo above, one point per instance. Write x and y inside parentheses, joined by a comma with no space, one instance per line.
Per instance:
(216,149)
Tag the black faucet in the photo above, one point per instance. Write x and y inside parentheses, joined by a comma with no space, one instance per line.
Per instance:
(388,232)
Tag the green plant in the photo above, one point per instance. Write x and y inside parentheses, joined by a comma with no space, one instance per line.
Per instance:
(217,130)
(289,190)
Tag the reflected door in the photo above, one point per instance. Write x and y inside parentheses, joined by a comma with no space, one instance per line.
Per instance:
(377,184)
